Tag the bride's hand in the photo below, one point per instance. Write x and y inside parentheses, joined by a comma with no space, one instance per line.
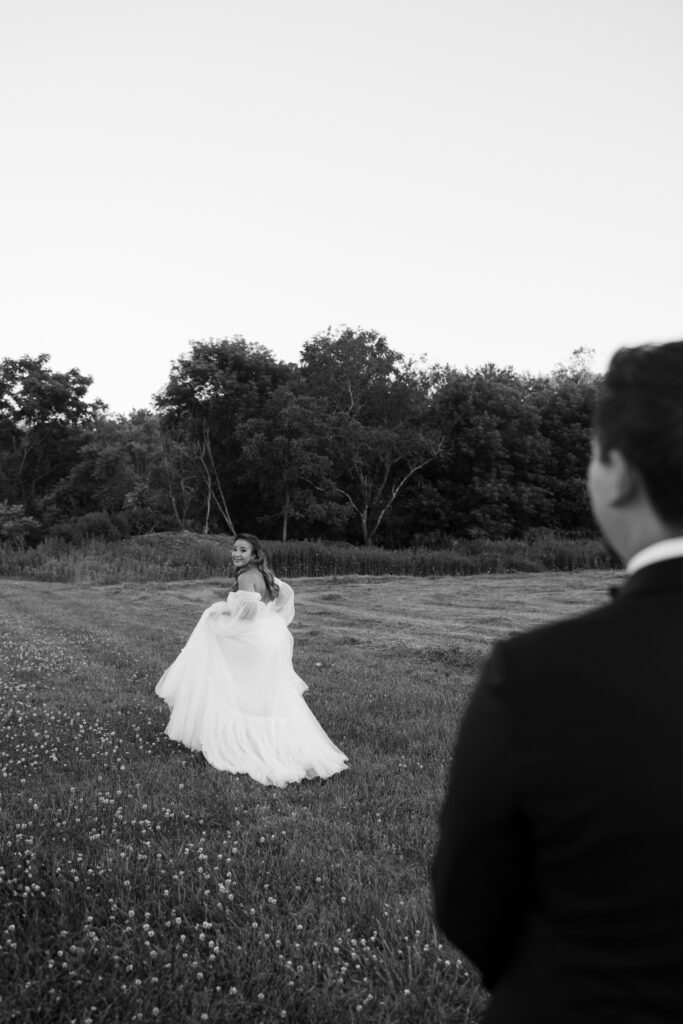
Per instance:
(219,608)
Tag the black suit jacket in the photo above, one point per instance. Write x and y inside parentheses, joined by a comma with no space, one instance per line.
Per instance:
(559,868)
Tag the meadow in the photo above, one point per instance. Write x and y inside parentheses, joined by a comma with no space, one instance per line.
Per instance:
(139,884)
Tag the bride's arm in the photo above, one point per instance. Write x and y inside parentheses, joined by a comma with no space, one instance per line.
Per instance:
(283,605)
(239,607)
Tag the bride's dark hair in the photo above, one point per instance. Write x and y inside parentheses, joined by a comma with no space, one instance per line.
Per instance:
(258,561)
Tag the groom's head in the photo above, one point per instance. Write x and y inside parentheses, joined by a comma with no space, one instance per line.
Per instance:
(636,474)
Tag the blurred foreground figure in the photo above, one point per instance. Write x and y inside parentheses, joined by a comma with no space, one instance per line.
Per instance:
(559,868)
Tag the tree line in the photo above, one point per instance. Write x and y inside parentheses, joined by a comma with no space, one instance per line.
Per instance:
(354,442)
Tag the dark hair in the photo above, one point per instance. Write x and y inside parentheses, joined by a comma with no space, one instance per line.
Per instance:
(258,561)
(640,413)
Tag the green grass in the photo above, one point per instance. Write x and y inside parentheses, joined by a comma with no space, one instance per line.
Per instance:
(137,883)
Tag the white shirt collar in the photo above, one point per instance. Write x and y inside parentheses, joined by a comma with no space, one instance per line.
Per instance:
(661,551)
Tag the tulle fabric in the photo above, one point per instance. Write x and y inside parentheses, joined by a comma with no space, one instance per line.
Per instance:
(234,694)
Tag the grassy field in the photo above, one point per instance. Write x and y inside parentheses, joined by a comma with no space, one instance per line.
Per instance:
(138,884)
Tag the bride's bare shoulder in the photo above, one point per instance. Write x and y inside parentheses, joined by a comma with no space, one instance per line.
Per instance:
(251,579)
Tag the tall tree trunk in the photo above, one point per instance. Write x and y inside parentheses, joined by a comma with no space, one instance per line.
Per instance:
(208,506)
(174,506)
(364,526)
(213,480)
(285,518)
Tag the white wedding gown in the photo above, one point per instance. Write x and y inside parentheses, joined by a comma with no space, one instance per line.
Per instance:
(235,696)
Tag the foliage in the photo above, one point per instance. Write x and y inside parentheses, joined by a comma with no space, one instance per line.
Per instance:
(494,471)
(210,392)
(374,420)
(354,443)
(42,416)
(565,402)
(131,471)
(294,472)
(15,525)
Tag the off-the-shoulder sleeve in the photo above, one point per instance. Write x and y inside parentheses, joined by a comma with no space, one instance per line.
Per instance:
(241,606)
(283,605)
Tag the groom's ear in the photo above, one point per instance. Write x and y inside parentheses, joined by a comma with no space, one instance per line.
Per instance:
(624,480)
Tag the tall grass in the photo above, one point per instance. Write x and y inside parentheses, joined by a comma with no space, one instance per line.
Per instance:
(195,556)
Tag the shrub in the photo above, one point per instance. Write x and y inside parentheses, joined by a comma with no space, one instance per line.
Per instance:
(17,527)
(92,524)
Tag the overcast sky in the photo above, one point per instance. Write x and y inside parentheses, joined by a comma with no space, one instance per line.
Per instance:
(479,180)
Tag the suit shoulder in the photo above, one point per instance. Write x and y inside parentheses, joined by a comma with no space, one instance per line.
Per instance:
(560,642)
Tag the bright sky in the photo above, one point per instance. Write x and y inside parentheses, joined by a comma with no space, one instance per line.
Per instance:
(479,180)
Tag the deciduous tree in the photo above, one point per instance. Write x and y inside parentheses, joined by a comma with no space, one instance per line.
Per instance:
(374,422)
(494,474)
(43,416)
(282,451)
(219,385)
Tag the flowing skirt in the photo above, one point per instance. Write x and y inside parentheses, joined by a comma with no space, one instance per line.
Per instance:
(234,695)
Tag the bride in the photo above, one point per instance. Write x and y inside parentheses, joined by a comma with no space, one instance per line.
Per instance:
(232,690)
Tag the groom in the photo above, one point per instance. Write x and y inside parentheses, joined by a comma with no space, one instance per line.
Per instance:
(559,868)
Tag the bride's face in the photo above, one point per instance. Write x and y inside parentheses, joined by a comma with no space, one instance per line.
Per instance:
(242,553)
